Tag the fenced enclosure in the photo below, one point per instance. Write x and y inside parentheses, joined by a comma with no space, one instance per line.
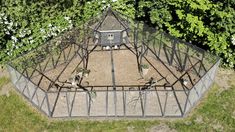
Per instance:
(114,84)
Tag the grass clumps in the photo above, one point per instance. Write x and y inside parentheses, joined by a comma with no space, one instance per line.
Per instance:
(3,81)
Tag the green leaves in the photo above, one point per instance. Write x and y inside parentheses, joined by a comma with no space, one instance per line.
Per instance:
(180,14)
(208,24)
(24,26)
(205,23)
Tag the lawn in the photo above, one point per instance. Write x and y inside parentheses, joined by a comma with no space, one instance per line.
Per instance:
(216,112)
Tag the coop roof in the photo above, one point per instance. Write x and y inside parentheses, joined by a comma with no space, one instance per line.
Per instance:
(110,20)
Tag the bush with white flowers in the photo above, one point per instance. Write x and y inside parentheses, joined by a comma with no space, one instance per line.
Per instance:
(26,24)
(233,39)
(21,39)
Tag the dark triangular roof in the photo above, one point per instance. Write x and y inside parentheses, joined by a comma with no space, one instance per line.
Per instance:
(110,20)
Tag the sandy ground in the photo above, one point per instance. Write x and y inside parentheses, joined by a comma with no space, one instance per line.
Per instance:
(125,73)
(224,78)
(125,70)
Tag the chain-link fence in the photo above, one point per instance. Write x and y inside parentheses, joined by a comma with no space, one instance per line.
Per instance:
(39,74)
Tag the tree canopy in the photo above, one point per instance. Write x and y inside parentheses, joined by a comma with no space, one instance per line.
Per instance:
(209,24)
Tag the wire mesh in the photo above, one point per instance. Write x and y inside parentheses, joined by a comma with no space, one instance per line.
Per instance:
(32,76)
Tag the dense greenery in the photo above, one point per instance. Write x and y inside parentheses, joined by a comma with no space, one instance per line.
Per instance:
(209,24)
(26,24)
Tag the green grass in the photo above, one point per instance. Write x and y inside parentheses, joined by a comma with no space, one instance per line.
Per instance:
(16,115)
(3,80)
(215,113)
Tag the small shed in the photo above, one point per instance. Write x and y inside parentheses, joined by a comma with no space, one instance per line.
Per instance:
(111,30)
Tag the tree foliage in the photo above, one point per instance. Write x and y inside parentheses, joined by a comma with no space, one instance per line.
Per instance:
(209,24)
(25,25)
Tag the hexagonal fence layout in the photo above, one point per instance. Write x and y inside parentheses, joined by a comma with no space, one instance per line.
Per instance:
(114,67)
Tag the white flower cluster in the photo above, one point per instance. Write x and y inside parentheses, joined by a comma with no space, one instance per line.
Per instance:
(233,39)
(24,32)
(67,18)
(3,18)
(19,36)
(10,52)
(31,40)
(9,25)
(51,31)
(54,30)
(16,34)
(14,39)
(69,21)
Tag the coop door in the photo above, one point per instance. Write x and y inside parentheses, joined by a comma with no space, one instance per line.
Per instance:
(110,37)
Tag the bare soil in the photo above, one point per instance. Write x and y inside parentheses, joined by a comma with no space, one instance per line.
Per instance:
(122,71)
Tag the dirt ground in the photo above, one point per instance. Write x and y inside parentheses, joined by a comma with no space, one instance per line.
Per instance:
(122,69)
(125,70)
